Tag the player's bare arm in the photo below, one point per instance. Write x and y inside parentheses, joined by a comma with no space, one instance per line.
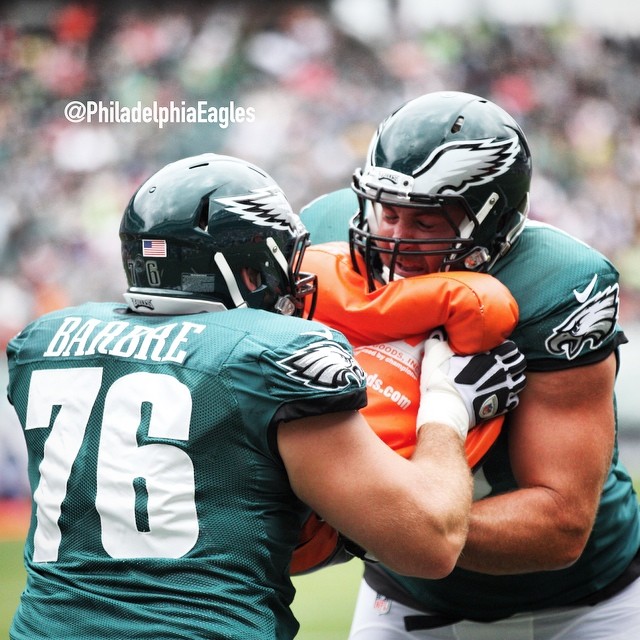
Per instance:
(546,523)
(411,515)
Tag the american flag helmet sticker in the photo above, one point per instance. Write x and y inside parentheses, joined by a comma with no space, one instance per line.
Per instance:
(154,248)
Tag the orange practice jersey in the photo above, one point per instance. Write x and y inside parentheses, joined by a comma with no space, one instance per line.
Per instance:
(387,329)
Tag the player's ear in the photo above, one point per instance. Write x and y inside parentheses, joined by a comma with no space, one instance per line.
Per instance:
(251,278)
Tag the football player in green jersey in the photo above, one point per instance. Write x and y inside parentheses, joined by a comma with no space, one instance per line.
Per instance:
(178,442)
(552,550)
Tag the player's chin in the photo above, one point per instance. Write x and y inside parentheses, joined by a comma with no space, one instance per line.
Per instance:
(409,271)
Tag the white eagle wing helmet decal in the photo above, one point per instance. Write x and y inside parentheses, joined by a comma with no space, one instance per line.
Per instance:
(455,166)
(323,364)
(266,207)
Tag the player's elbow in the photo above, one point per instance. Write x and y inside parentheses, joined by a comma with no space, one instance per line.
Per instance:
(444,555)
(451,541)
(573,527)
(570,547)
(431,558)
(444,526)
(436,542)
(567,540)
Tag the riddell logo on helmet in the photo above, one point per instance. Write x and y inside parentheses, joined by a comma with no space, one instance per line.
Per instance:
(384,175)
(142,302)
(375,175)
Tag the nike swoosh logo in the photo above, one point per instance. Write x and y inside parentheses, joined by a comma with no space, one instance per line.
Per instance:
(581,296)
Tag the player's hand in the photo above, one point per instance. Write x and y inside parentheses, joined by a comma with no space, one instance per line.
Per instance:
(462,391)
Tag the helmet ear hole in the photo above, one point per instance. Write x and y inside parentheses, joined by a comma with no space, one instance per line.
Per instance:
(457,125)
(203,218)
(251,278)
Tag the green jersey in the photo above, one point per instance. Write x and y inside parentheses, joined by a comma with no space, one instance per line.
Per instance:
(568,297)
(161,506)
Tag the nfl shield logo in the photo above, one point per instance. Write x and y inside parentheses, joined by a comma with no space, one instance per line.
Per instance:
(382,605)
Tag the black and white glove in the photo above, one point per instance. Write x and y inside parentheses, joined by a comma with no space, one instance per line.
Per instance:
(462,391)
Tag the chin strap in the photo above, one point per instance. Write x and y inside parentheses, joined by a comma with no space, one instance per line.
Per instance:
(230,279)
(285,304)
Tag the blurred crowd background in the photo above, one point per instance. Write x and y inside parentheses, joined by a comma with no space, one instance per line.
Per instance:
(319,76)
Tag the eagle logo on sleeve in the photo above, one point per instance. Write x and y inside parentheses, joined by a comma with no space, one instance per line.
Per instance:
(590,324)
(323,364)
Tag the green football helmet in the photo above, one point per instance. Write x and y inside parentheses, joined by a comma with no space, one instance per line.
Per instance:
(446,152)
(190,230)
